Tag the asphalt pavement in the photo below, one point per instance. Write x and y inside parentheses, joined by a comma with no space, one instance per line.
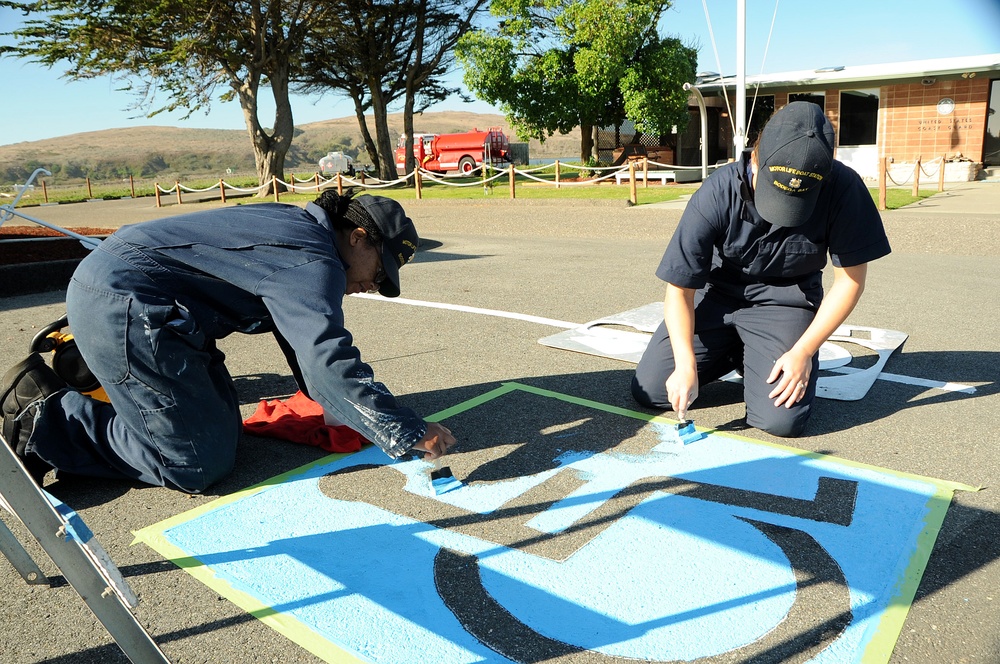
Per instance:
(573,262)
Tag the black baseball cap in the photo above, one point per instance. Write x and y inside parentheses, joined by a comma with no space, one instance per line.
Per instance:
(794,156)
(399,238)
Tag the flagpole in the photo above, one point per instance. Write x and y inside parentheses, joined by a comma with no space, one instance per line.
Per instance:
(740,139)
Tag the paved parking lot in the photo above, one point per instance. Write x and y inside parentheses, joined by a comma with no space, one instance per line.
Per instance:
(571,262)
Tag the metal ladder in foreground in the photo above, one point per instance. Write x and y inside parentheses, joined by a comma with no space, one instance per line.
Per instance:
(61,533)
(75,551)
(8,211)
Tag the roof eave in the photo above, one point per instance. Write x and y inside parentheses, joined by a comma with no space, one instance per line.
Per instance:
(889,74)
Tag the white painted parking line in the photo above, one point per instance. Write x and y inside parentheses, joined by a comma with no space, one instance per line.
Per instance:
(471,310)
(891,377)
(910,380)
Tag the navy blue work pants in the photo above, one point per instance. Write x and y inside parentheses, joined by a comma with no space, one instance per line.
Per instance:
(727,338)
(174,416)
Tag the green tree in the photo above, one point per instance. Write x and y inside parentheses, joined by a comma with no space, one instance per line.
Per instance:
(380,52)
(153,164)
(185,50)
(554,65)
(74,170)
(438,27)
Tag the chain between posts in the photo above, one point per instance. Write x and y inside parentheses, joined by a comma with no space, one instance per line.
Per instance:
(884,177)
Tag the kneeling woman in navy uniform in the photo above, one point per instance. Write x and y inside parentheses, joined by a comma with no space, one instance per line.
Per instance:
(148,306)
(744,274)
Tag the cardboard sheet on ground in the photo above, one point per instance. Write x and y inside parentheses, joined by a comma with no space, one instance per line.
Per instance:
(582,532)
(604,337)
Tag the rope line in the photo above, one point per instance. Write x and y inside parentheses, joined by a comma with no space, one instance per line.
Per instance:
(433,177)
(542,167)
(317,182)
(591,168)
(888,175)
(602,178)
(939,161)
(675,167)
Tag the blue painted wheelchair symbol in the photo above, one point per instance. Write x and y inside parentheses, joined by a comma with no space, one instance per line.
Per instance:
(619,544)
(726,550)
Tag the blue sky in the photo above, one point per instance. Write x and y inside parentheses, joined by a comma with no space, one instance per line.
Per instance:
(38,103)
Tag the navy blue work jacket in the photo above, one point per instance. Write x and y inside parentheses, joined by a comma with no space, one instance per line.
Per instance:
(275,268)
(723,245)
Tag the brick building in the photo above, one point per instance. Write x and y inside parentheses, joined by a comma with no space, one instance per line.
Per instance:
(924,109)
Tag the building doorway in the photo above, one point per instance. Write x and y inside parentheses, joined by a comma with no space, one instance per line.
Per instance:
(991,143)
(858,131)
(689,141)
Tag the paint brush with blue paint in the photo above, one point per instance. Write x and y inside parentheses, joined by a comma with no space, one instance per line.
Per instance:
(686,433)
(684,430)
(442,479)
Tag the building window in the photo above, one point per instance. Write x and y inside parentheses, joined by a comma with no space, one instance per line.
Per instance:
(858,117)
(817,98)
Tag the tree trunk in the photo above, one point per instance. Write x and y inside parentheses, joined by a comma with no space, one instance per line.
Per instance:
(269,149)
(586,141)
(409,100)
(410,162)
(359,112)
(383,140)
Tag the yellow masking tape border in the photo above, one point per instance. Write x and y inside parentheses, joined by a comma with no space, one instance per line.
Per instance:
(941,484)
(283,623)
(286,624)
(885,633)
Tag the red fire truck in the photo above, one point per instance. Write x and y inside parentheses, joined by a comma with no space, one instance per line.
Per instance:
(463,152)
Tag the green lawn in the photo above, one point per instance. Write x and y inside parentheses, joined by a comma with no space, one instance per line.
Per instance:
(897,198)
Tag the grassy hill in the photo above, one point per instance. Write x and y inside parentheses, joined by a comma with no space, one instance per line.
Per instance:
(176,152)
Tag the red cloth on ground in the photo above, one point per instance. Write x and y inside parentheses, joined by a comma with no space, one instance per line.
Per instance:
(299,419)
